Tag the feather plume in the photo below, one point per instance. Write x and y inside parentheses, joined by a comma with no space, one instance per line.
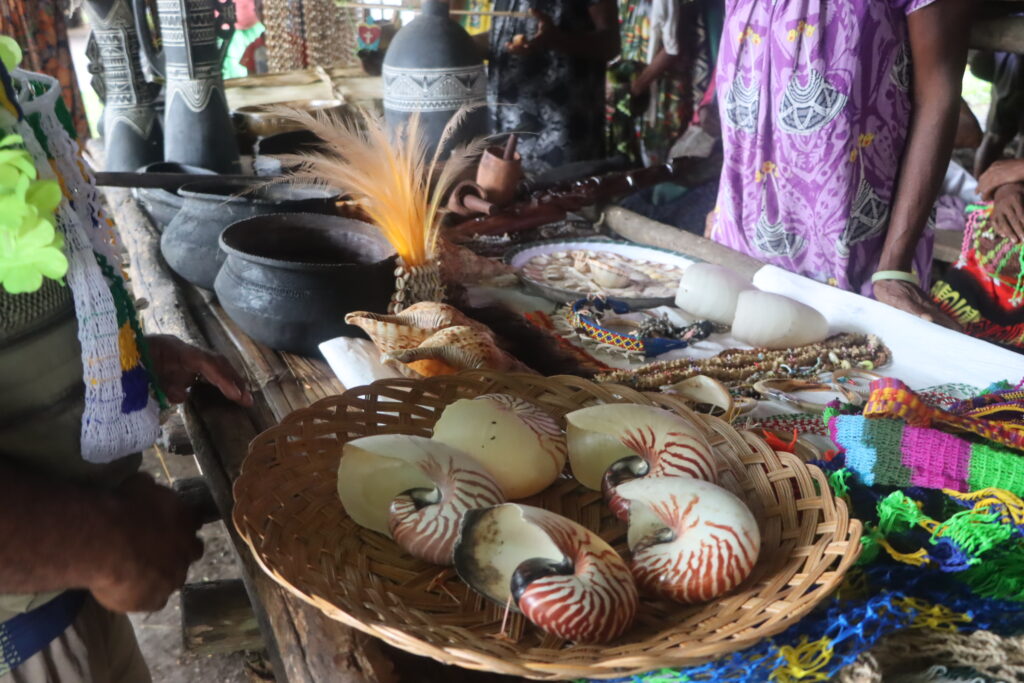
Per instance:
(391,179)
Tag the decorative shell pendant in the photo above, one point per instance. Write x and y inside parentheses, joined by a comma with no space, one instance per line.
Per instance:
(560,575)
(411,327)
(614,442)
(691,540)
(414,490)
(452,349)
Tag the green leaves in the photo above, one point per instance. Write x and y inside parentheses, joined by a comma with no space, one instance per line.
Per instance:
(30,246)
(10,52)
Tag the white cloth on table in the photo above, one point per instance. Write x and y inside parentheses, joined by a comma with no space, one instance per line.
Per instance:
(355,362)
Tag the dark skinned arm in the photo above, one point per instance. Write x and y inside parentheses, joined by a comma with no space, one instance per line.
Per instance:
(599,45)
(652,72)
(938,44)
(131,547)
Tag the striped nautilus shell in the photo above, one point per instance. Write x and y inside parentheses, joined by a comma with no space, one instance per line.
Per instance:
(519,443)
(691,541)
(560,575)
(413,489)
(615,442)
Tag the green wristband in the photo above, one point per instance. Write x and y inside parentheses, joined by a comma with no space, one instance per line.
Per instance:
(901,275)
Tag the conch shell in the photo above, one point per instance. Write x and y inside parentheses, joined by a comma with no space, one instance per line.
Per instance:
(613,442)
(414,490)
(560,575)
(452,349)
(691,540)
(412,326)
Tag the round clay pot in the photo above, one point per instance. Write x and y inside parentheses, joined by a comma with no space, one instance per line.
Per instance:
(433,68)
(162,205)
(190,242)
(499,178)
(290,279)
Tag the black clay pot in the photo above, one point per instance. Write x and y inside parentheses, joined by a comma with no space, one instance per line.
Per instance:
(433,68)
(162,205)
(189,244)
(290,279)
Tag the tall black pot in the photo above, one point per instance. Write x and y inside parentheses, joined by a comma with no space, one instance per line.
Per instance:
(190,241)
(132,136)
(290,279)
(198,130)
(433,68)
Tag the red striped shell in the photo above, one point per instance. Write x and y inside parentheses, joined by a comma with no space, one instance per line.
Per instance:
(667,443)
(692,541)
(429,532)
(592,599)
(414,489)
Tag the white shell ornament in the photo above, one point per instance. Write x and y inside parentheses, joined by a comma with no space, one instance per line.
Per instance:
(691,541)
(414,490)
(773,321)
(625,440)
(710,291)
(560,575)
(519,443)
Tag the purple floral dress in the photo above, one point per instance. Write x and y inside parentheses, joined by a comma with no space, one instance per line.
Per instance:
(815,105)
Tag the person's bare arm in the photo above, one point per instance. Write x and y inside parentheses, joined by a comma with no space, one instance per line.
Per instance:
(1004,172)
(131,546)
(601,44)
(938,44)
(652,72)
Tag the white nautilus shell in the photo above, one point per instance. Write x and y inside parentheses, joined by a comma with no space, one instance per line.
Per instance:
(613,442)
(519,443)
(560,575)
(413,489)
(691,540)
(707,290)
(774,321)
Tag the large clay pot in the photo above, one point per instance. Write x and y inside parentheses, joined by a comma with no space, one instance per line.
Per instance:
(132,136)
(198,130)
(190,242)
(162,205)
(433,68)
(290,279)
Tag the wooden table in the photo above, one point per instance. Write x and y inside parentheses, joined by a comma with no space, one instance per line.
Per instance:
(304,645)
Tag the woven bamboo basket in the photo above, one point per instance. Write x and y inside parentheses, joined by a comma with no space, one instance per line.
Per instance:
(288,511)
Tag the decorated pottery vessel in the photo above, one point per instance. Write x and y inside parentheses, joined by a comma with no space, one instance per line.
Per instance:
(414,490)
(132,136)
(433,68)
(691,541)
(560,575)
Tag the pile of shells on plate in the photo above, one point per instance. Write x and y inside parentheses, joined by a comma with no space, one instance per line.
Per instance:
(445,500)
(607,273)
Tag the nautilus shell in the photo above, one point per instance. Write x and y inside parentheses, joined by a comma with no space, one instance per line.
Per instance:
(608,275)
(412,326)
(691,541)
(614,442)
(519,443)
(414,490)
(560,575)
(452,349)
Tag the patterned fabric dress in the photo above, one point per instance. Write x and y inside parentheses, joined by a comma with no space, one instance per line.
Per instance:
(555,100)
(40,28)
(815,104)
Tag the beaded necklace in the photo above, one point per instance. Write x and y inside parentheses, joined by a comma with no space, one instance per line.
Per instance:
(739,369)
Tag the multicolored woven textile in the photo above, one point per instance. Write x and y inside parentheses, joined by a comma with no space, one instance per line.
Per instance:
(906,450)
(120,415)
(984,291)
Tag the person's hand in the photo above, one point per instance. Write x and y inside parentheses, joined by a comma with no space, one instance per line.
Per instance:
(544,38)
(1000,173)
(178,366)
(639,101)
(908,297)
(1007,217)
(152,543)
